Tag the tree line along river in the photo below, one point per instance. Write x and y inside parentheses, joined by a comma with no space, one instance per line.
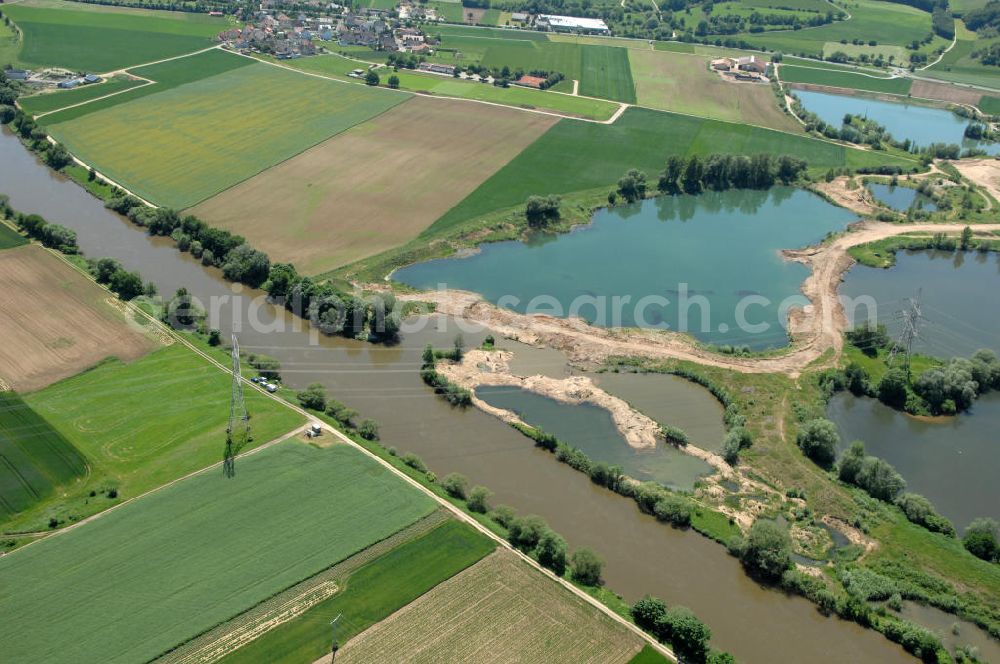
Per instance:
(756,624)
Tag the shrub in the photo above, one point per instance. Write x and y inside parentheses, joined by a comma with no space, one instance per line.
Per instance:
(920,511)
(675,435)
(818,440)
(525,532)
(767,550)
(455,484)
(551,552)
(368,430)
(981,539)
(647,611)
(503,514)
(673,509)
(478,499)
(587,567)
(313,397)
(415,462)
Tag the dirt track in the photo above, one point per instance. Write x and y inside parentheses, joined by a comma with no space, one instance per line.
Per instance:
(815,328)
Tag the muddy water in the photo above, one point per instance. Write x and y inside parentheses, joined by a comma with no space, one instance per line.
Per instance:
(953,631)
(592,430)
(671,401)
(642,556)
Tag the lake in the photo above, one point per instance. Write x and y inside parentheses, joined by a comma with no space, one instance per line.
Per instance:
(708,265)
(959,298)
(923,125)
(951,461)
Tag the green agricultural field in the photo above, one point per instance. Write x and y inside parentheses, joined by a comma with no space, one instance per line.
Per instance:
(883,22)
(161,570)
(445,86)
(203,137)
(602,70)
(991,105)
(491,33)
(168,75)
(958,65)
(45,103)
(373,593)
(844,79)
(100,39)
(606,74)
(34,457)
(575,156)
(9,238)
(145,423)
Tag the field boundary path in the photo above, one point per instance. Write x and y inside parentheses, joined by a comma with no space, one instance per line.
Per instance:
(253,623)
(819,326)
(455,511)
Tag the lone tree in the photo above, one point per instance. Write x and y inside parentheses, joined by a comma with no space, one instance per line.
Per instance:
(632,185)
(981,539)
(587,567)
(818,440)
(767,550)
(541,210)
(371,78)
(393,82)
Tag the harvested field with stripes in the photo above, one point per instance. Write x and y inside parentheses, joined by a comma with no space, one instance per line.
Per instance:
(375,186)
(498,610)
(56,322)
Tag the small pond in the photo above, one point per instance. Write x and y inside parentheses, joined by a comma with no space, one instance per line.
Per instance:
(708,265)
(591,429)
(923,125)
(901,198)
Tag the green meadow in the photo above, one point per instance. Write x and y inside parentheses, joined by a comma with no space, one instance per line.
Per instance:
(34,457)
(447,86)
(140,425)
(99,39)
(45,103)
(9,238)
(844,79)
(203,137)
(167,75)
(154,573)
(576,156)
(603,71)
(886,23)
(372,593)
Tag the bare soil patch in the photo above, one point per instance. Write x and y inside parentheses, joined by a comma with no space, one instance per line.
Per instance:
(375,186)
(498,610)
(983,172)
(944,92)
(683,83)
(56,322)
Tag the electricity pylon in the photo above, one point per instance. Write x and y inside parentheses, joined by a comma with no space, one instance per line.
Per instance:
(238,431)
(911,319)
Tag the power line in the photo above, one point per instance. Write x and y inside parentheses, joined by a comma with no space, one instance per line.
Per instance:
(238,430)
(911,319)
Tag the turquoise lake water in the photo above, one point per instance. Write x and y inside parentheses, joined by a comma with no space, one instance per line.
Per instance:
(921,124)
(708,265)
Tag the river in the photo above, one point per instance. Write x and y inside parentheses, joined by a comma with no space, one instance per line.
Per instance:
(642,556)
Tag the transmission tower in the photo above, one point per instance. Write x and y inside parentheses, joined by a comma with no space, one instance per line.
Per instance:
(911,319)
(238,431)
(334,645)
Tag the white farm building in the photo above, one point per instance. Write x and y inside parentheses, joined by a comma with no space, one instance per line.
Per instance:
(593,26)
